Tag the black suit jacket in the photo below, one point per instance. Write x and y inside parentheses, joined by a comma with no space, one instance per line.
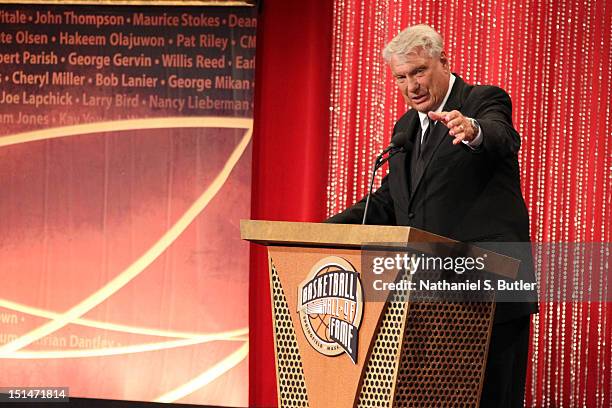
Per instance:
(464,194)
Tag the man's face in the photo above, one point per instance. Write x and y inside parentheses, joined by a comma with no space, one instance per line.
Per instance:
(422,80)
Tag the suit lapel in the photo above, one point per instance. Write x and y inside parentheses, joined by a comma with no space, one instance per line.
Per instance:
(439,132)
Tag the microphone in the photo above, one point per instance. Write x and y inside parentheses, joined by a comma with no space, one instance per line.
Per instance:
(399,142)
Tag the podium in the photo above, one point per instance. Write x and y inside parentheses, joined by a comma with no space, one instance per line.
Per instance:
(339,344)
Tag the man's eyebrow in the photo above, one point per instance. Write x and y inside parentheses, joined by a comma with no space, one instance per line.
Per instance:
(415,69)
(412,71)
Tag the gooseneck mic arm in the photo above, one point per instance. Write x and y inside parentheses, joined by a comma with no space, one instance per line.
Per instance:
(398,143)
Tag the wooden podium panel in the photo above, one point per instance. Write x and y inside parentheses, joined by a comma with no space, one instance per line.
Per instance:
(412,351)
(292,265)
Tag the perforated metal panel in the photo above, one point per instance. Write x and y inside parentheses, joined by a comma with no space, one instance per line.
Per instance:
(379,374)
(443,354)
(292,387)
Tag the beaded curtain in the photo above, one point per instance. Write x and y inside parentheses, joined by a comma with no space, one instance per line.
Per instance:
(553,58)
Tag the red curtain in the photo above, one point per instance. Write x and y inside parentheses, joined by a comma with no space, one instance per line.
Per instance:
(554,59)
(290,149)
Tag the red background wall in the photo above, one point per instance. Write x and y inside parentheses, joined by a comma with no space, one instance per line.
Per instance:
(553,57)
(290,149)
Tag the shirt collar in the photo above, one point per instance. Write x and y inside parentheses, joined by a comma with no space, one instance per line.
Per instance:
(423,116)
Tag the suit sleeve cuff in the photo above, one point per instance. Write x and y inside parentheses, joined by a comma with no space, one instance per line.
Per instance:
(476,142)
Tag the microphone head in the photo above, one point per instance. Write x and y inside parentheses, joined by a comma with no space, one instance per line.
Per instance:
(400,139)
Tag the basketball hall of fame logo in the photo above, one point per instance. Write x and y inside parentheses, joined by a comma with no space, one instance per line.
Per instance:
(330,306)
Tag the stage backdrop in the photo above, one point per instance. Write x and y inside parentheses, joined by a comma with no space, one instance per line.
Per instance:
(554,59)
(125,166)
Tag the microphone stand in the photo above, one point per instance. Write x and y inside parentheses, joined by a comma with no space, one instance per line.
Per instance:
(392,150)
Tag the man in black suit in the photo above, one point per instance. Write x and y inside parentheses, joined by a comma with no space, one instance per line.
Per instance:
(459,178)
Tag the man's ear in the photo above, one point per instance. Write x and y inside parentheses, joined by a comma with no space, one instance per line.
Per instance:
(444,61)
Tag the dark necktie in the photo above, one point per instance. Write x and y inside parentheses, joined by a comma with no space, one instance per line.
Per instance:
(417,163)
(423,140)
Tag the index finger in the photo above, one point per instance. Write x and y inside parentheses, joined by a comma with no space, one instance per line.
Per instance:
(437,116)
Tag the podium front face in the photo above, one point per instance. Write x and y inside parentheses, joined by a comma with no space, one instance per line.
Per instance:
(336,348)
(337,345)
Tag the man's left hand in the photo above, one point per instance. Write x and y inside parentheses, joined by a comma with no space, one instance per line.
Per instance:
(459,126)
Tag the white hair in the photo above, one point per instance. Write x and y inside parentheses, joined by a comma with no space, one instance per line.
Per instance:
(411,39)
